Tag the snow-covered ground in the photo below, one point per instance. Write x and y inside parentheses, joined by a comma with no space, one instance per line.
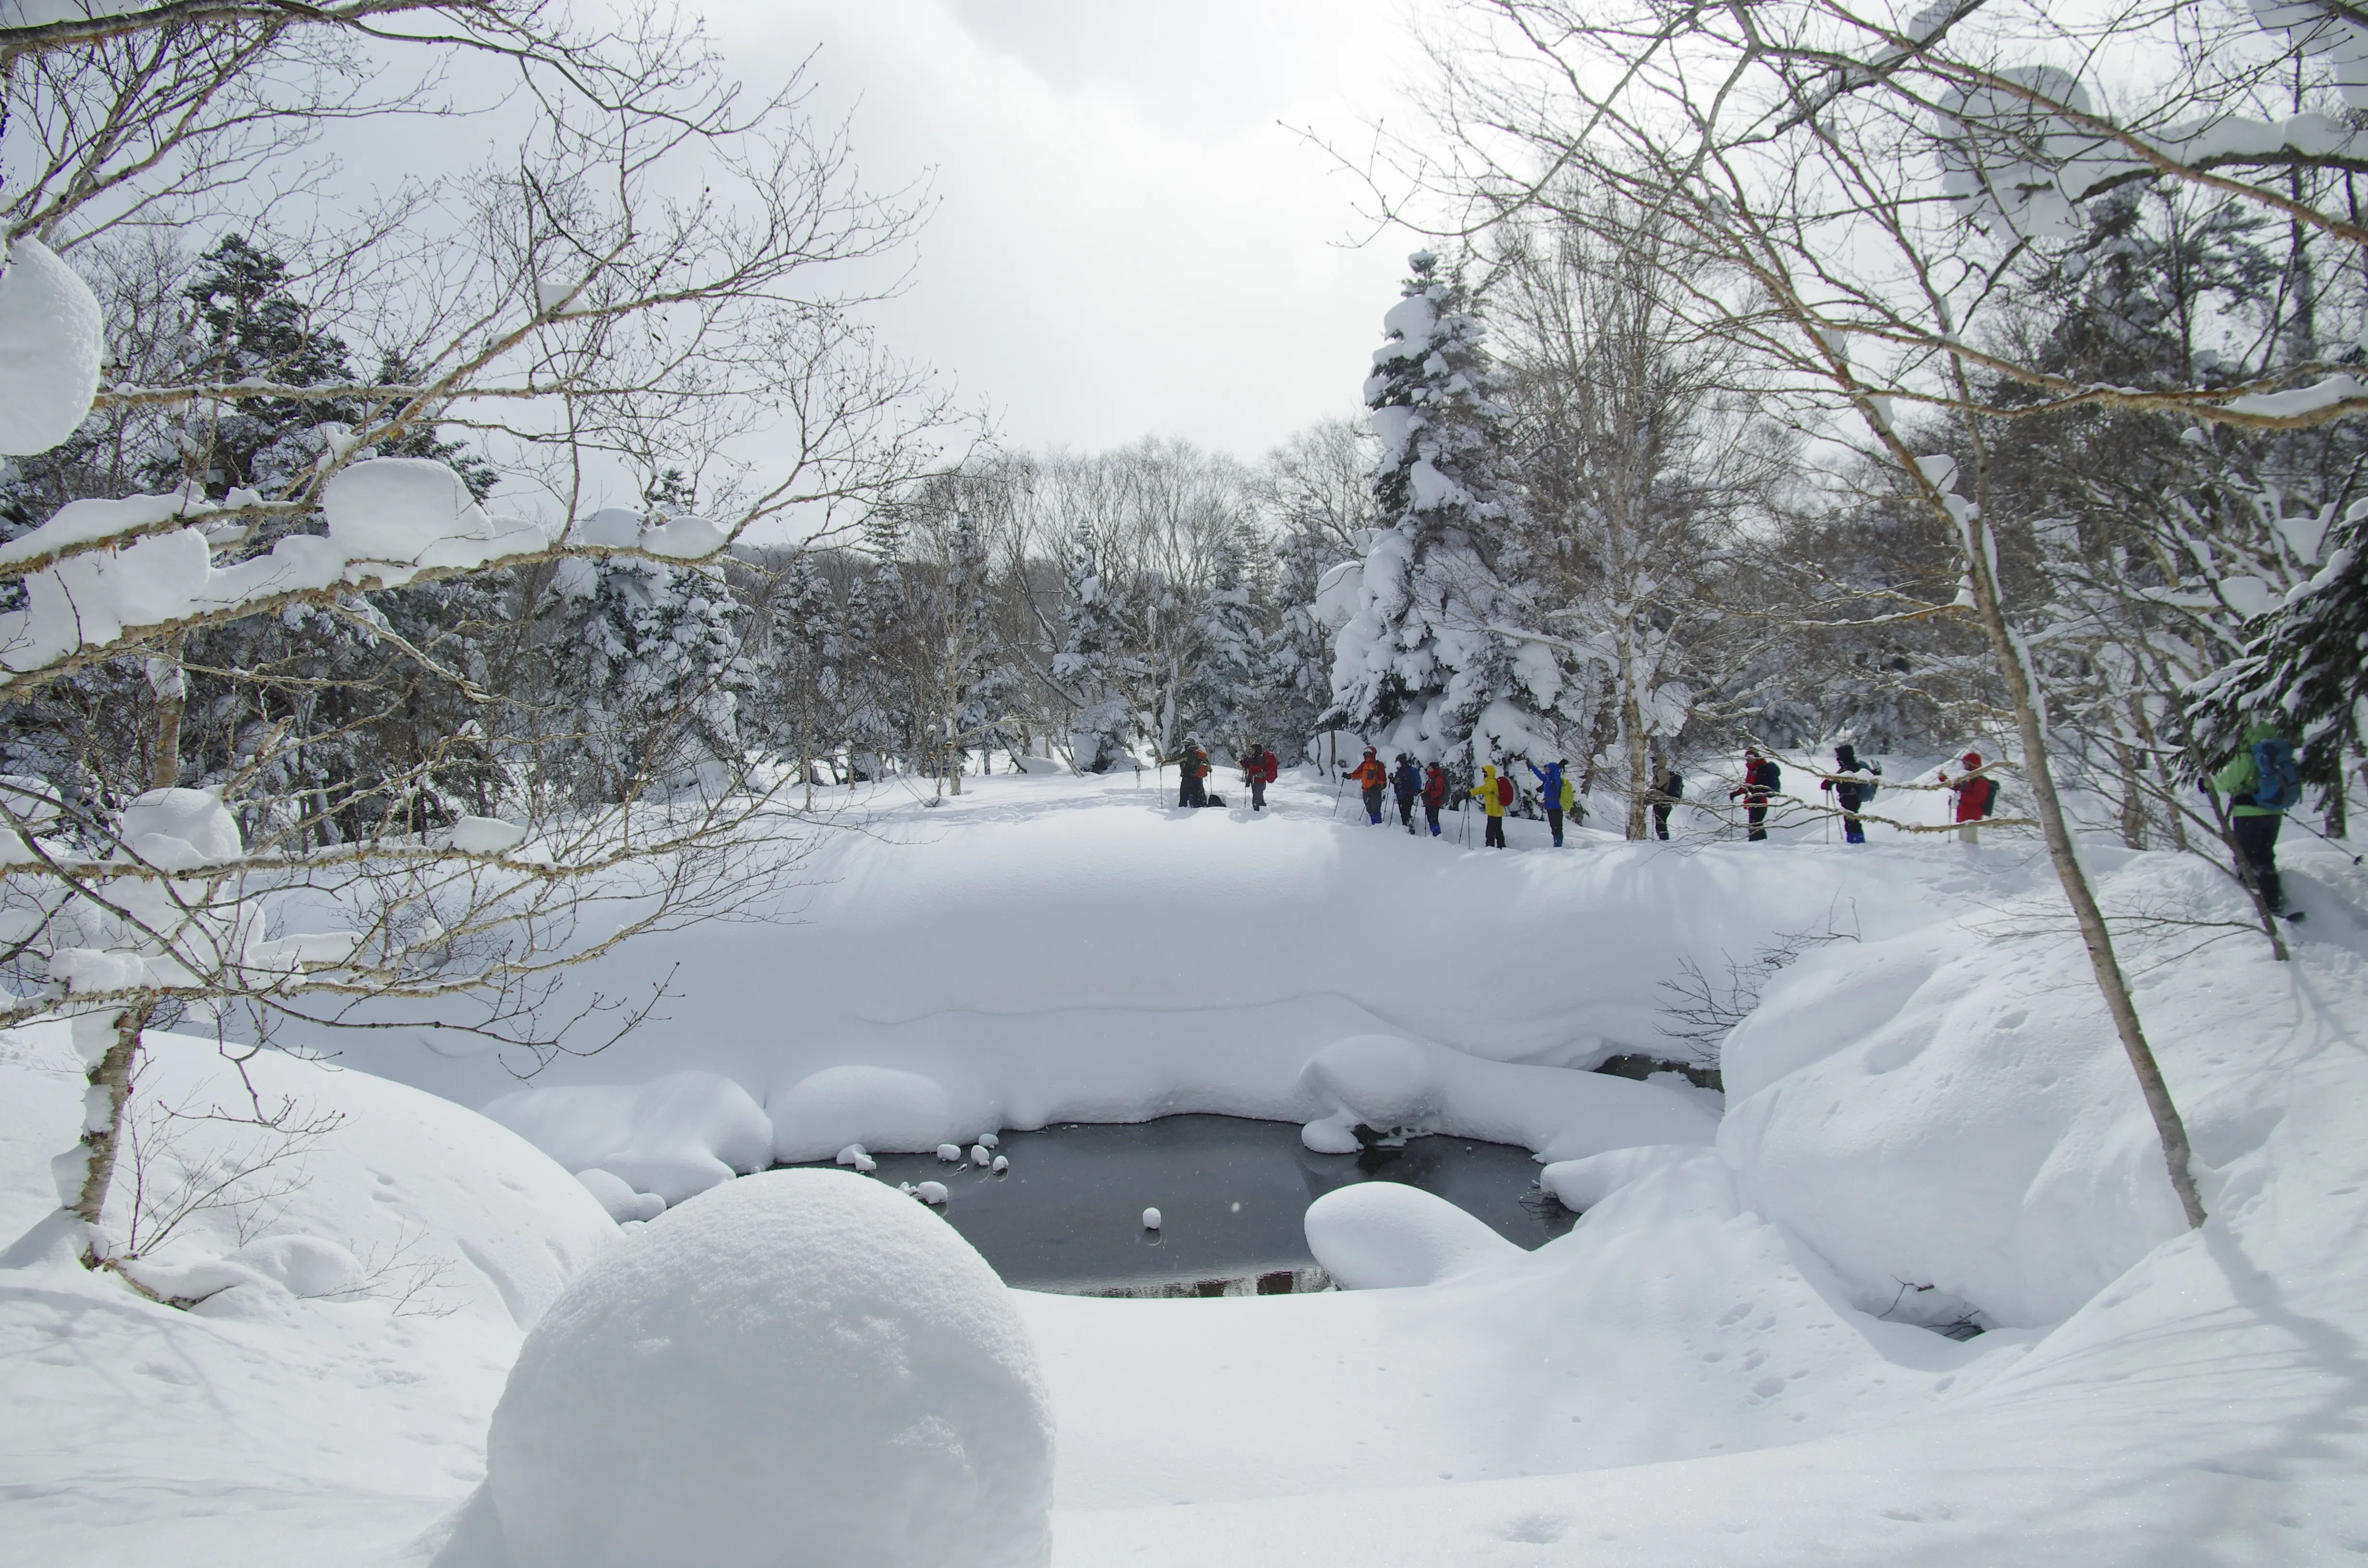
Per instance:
(1721,1363)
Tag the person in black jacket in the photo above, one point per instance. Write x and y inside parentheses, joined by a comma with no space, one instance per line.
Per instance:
(1672,790)
(1848,787)
(1407,783)
(1760,779)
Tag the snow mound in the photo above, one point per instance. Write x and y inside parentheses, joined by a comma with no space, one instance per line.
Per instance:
(674,1136)
(616,1195)
(50,342)
(880,1107)
(179,830)
(1378,1234)
(801,1366)
(1958,1114)
(1404,1087)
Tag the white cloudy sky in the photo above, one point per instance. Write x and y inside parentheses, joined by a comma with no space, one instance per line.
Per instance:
(1125,240)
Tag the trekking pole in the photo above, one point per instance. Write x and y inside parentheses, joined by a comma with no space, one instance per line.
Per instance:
(2355,859)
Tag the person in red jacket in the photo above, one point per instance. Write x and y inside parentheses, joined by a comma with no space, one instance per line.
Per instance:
(1760,779)
(1373,778)
(1258,770)
(1975,793)
(1434,795)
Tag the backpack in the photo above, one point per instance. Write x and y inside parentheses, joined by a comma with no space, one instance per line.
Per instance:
(2277,776)
(1569,800)
(1767,776)
(1874,776)
(1504,790)
(1989,794)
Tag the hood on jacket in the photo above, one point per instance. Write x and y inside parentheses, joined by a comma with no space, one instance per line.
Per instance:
(2256,734)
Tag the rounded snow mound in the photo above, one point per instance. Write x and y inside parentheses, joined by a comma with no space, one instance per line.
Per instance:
(1378,1234)
(801,1366)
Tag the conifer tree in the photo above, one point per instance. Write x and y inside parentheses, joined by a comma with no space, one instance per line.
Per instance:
(1433,659)
(1085,665)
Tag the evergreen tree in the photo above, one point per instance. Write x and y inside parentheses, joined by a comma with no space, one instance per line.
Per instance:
(1295,652)
(1223,691)
(657,667)
(2301,668)
(1085,665)
(1431,661)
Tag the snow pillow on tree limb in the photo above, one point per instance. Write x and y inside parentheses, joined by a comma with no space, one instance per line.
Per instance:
(409,512)
(50,345)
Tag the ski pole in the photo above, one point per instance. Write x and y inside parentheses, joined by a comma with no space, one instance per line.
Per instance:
(2355,859)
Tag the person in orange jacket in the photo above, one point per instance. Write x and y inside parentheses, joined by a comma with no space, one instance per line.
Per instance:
(1372,779)
(1496,793)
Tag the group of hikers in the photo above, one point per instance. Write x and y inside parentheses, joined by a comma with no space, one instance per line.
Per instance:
(2260,781)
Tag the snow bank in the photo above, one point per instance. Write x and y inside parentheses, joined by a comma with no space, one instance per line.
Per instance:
(51,341)
(1406,1088)
(1953,1108)
(803,1366)
(328,1398)
(1378,1235)
(673,1136)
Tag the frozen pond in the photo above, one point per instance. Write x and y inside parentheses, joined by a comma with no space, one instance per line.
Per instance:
(1230,1192)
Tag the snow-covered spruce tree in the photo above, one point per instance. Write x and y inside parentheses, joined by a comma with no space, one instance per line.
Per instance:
(1222,692)
(2303,668)
(1438,655)
(653,659)
(1294,655)
(1082,669)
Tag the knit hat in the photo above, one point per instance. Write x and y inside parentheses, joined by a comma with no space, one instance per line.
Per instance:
(1973,759)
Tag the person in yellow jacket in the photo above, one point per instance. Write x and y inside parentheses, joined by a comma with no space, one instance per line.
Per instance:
(1496,793)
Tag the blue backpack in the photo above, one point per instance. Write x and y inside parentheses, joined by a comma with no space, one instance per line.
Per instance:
(2277,776)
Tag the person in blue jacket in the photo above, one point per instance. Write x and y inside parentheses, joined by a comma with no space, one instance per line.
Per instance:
(1407,784)
(1549,791)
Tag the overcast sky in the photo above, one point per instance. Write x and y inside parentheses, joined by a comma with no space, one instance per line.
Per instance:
(1124,242)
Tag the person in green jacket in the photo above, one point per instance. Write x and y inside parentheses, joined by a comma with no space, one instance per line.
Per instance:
(2261,783)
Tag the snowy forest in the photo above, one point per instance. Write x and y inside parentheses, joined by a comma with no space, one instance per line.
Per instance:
(527,632)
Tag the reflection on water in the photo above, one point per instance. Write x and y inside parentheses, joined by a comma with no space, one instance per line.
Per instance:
(1230,1192)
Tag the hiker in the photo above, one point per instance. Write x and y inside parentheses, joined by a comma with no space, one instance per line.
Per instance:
(2261,783)
(1434,795)
(1496,793)
(1374,781)
(1850,790)
(1407,783)
(1258,770)
(1672,790)
(1192,774)
(1976,794)
(1555,792)
(1760,779)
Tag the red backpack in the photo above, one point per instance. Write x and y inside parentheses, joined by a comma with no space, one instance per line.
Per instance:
(1504,790)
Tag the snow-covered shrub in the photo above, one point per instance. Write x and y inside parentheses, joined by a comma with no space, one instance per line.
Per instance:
(800,1366)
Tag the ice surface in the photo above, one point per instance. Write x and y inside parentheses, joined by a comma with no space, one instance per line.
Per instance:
(799,1367)
(51,342)
(1378,1234)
